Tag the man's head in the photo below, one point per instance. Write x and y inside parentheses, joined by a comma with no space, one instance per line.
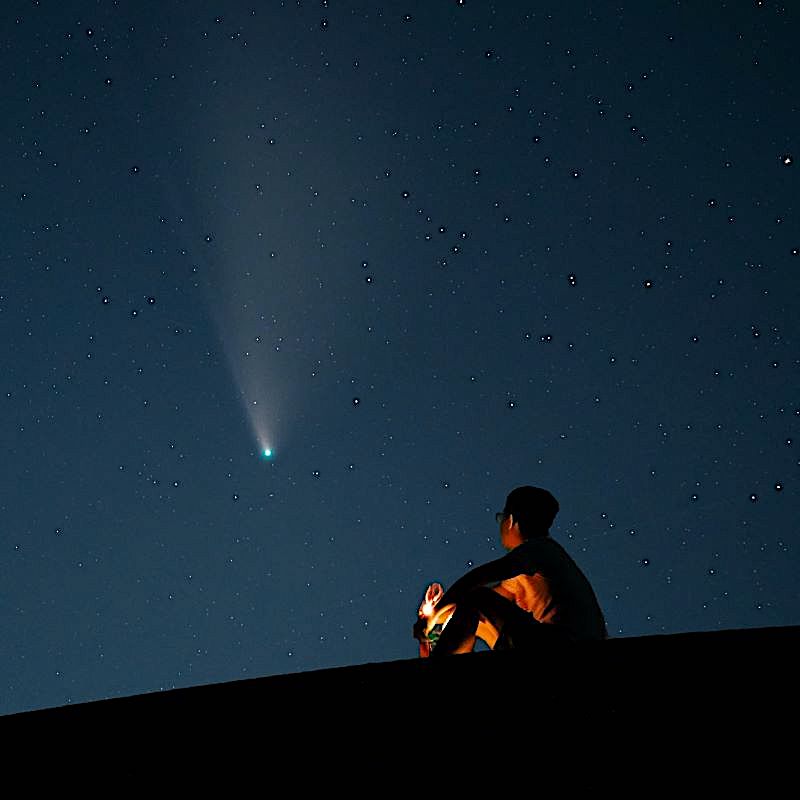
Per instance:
(532,509)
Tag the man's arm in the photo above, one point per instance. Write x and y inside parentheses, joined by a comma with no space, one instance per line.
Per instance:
(489,574)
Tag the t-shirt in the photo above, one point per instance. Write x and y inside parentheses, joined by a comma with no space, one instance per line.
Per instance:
(544,580)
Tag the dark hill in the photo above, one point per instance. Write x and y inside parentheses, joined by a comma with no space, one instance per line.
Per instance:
(711,687)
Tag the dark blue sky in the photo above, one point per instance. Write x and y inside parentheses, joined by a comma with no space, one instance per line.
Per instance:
(424,252)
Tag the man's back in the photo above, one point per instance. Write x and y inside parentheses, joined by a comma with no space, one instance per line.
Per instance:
(549,584)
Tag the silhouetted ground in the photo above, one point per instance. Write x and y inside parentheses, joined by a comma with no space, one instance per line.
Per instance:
(725,686)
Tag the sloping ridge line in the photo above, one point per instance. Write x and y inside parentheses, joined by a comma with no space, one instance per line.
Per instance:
(736,674)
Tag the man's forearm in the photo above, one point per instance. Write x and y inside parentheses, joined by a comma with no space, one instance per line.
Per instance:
(484,575)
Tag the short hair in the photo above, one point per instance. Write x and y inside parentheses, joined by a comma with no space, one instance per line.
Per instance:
(533,508)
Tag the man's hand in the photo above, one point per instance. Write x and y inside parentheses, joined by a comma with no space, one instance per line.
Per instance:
(419,630)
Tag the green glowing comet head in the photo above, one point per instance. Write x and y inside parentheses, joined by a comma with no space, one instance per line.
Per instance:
(266,453)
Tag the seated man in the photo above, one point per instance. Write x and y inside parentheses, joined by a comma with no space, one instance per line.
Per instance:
(534,594)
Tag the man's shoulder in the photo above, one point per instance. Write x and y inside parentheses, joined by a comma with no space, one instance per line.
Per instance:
(538,543)
(538,547)
(530,548)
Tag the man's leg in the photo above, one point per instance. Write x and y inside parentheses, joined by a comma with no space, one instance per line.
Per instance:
(460,632)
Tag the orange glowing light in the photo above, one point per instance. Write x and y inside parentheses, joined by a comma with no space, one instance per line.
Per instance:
(432,596)
(430,611)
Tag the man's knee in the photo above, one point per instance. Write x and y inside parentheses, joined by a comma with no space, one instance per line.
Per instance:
(490,605)
(483,596)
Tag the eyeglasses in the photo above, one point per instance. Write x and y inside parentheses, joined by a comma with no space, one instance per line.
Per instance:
(500,516)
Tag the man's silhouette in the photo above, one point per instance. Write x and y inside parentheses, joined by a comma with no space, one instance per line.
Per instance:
(534,595)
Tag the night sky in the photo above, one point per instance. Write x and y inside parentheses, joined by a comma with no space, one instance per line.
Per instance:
(423,252)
